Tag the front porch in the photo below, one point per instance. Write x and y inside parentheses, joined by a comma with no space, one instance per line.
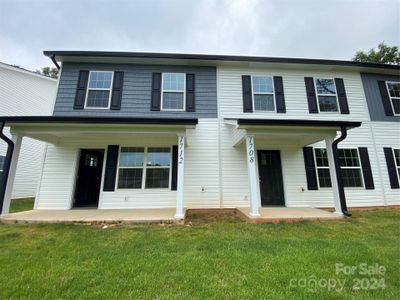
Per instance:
(162,215)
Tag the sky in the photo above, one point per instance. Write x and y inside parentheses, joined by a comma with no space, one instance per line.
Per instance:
(333,29)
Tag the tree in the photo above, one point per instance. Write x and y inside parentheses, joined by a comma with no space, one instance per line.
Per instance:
(47,71)
(384,55)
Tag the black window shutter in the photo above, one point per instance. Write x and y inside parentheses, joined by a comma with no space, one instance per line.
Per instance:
(279,95)
(117,90)
(81,90)
(247,96)
(391,166)
(190,87)
(311,172)
(342,97)
(156,92)
(111,168)
(174,179)
(366,168)
(311,97)
(387,106)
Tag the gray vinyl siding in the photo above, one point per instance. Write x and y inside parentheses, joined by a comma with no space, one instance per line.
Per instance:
(136,95)
(373,96)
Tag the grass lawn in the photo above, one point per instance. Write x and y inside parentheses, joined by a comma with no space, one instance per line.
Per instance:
(226,259)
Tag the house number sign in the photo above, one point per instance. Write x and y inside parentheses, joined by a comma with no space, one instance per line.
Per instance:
(251,149)
(181,144)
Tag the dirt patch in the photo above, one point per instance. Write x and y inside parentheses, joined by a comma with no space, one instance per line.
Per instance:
(207,216)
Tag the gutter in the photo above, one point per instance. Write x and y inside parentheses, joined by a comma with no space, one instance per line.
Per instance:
(7,164)
(342,196)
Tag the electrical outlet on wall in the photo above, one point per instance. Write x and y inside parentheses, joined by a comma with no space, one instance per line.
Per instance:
(126,198)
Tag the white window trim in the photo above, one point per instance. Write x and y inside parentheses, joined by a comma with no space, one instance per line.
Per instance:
(317,95)
(263,93)
(395,163)
(144,168)
(2,164)
(343,167)
(390,97)
(318,167)
(173,91)
(99,89)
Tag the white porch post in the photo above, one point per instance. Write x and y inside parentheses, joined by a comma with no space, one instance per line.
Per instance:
(252,176)
(17,139)
(180,181)
(332,171)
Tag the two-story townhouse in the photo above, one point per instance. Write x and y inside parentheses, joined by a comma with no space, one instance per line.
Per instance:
(151,130)
(23,92)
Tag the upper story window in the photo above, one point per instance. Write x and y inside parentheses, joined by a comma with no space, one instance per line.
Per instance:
(350,166)
(327,96)
(263,93)
(394,94)
(173,91)
(99,89)
(2,159)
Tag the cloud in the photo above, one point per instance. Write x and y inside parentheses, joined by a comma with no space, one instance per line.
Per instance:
(316,29)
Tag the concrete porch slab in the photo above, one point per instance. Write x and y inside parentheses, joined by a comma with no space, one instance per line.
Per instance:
(288,214)
(162,215)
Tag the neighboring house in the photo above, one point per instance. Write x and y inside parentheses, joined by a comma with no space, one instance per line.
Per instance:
(23,92)
(145,130)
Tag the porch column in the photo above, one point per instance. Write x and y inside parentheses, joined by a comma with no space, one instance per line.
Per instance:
(332,171)
(180,181)
(9,181)
(252,176)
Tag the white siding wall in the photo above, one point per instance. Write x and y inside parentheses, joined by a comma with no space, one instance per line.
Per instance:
(25,93)
(234,168)
(201,170)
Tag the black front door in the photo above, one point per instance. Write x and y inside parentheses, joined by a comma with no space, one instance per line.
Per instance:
(271,182)
(88,180)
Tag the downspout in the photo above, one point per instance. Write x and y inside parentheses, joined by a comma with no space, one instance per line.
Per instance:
(342,196)
(53,59)
(7,164)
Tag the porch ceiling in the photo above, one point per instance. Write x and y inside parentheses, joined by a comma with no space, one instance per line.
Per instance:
(301,132)
(52,129)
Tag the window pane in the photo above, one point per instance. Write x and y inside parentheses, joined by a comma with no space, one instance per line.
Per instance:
(397,156)
(394,89)
(262,84)
(348,158)
(325,86)
(351,177)
(97,98)
(158,157)
(321,157)
(100,80)
(324,178)
(264,102)
(131,157)
(396,105)
(327,103)
(157,178)
(130,178)
(172,100)
(173,82)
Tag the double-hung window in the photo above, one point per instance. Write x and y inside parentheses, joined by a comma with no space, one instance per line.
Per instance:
(263,93)
(327,96)
(173,91)
(350,166)
(141,167)
(394,94)
(396,153)
(99,89)
(2,159)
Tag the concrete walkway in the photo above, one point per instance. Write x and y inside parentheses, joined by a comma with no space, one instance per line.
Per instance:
(165,215)
(289,214)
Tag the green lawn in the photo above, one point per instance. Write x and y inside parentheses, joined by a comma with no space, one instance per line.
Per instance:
(221,260)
